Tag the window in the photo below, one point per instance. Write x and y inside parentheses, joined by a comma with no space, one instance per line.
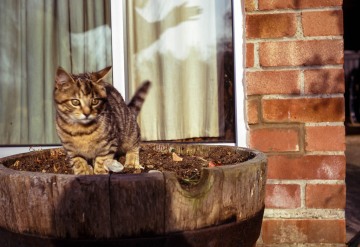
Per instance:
(186,48)
(36,37)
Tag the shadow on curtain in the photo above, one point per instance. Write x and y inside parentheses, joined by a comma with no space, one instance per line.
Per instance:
(179,46)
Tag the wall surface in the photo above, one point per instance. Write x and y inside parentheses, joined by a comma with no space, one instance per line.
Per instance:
(295,108)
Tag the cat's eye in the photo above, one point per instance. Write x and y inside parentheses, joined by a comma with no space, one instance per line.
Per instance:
(75,102)
(95,101)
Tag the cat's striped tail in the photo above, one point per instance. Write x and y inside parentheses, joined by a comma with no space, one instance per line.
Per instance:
(138,99)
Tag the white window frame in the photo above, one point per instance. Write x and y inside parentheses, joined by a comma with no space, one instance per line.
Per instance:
(120,76)
(239,58)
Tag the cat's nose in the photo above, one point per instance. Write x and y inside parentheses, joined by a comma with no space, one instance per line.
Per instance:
(86,111)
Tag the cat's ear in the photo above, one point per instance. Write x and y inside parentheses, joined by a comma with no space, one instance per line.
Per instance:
(103,73)
(62,78)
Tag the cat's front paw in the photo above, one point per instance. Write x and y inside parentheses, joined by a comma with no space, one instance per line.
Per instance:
(133,163)
(81,167)
(132,159)
(134,166)
(100,168)
(83,170)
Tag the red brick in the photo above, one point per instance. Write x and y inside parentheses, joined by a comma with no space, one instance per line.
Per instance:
(298,53)
(283,196)
(326,167)
(324,81)
(273,82)
(297,4)
(250,55)
(252,110)
(270,25)
(325,196)
(249,5)
(322,23)
(303,231)
(325,138)
(303,110)
(275,139)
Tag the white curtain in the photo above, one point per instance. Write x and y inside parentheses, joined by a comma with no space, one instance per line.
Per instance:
(36,37)
(177,45)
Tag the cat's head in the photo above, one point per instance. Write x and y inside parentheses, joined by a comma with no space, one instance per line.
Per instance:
(80,98)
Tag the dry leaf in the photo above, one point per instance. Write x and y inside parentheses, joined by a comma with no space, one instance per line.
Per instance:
(17,163)
(213,164)
(176,157)
(201,158)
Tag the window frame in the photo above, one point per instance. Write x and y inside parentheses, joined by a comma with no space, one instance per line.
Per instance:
(239,65)
(118,24)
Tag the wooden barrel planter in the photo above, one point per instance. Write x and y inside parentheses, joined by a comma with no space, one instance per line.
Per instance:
(224,208)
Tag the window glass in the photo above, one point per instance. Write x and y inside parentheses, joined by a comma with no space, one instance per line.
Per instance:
(185,49)
(37,36)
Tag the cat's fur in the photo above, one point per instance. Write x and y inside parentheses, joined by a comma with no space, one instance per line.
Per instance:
(93,121)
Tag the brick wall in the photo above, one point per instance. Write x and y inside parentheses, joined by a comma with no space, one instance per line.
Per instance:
(295,108)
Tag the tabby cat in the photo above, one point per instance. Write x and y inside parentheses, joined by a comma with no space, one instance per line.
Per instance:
(93,121)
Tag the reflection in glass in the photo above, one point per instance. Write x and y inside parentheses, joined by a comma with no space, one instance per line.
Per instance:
(36,37)
(185,49)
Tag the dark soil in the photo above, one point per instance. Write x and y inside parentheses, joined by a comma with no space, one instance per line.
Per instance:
(188,170)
